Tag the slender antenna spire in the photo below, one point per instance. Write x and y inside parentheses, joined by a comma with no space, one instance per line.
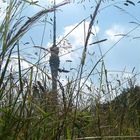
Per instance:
(54,26)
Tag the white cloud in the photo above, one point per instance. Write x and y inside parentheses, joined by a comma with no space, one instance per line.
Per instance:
(73,41)
(3,6)
(57,1)
(13,64)
(115,33)
(77,36)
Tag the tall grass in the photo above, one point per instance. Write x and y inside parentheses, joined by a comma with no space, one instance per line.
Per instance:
(28,110)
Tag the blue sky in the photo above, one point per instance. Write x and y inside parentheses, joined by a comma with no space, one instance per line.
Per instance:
(111,21)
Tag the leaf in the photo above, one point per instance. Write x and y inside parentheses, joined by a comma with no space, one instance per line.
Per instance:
(89,88)
(98,41)
(133,22)
(68,61)
(119,82)
(40,86)
(138,37)
(63,70)
(130,2)
(51,19)
(83,57)
(92,33)
(45,114)
(36,53)
(121,35)
(126,4)
(119,8)
(26,43)
(19,69)
(133,70)
(91,16)
(35,2)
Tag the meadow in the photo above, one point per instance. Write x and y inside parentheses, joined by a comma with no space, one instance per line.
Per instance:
(36,105)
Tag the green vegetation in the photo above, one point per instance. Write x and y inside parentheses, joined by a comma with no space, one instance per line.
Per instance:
(30,110)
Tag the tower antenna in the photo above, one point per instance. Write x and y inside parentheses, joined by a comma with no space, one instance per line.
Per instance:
(54,58)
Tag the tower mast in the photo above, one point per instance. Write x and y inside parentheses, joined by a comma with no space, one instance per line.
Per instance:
(54,58)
